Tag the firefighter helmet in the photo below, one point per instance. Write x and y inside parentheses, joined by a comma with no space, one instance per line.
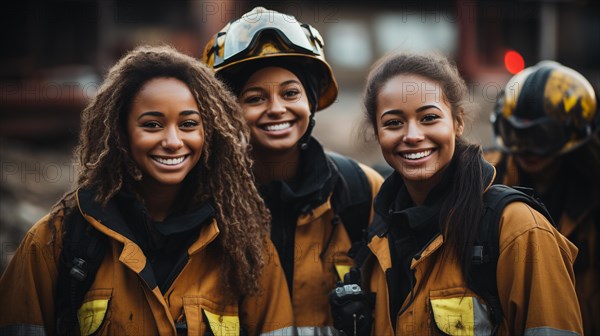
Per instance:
(545,109)
(263,36)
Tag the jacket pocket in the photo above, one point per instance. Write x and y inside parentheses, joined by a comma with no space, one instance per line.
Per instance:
(93,313)
(458,311)
(205,317)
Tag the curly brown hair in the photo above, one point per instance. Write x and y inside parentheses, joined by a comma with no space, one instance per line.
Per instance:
(222,176)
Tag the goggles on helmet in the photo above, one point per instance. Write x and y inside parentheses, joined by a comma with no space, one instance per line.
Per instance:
(244,34)
(540,137)
(546,109)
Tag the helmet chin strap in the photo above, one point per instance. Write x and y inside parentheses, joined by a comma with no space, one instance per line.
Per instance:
(313,102)
(303,142)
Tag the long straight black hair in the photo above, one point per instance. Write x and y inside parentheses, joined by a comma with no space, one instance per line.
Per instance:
(462,210)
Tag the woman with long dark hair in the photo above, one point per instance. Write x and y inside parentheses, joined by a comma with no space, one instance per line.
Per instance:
(432,207)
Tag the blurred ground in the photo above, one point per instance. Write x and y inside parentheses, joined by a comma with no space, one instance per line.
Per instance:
(34,177)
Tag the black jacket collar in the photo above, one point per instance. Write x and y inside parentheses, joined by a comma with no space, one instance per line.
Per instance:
(124,213)
(394,205)
(316,182)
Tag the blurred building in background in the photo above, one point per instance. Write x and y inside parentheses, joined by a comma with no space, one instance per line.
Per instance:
(55,54)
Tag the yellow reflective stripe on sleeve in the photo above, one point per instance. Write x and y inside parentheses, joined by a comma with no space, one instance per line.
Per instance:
(342,270)
(91,315)
(454,316)
(223,324)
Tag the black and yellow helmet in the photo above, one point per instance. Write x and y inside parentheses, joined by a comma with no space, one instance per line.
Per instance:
(265,37)
(545,109)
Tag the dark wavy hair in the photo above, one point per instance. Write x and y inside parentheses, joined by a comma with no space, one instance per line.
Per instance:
(462,209)
(222,176)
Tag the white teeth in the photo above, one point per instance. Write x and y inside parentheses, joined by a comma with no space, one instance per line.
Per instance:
(415,156)
(278,127)
(169,162)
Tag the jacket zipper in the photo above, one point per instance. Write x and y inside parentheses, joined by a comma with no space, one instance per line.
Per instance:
(412,278)
(175,272)
(335,221)
(412,294)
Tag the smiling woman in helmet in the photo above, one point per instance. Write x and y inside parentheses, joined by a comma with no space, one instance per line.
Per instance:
(547,122)
(276,67)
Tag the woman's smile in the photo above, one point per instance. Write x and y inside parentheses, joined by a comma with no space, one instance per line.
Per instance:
(171,162)
(276,109)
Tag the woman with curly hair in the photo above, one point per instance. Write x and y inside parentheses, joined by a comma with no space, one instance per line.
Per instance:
(165,187)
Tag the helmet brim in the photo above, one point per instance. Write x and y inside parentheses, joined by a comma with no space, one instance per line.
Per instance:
(239,71)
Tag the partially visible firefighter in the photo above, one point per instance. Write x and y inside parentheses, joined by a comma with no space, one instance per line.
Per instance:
(546,122)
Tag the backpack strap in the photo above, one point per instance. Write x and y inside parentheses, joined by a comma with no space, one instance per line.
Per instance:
(352,197)
(83,249)
(486,250)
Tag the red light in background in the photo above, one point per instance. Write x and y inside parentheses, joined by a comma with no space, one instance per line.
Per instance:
(513,61)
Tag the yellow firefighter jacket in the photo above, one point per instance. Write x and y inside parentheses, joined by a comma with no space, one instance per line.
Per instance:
(124,298)
(580,223)
(534,277)
(320,243)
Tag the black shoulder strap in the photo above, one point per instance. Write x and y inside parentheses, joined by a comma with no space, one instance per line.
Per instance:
(352,196)
(486,250)
(82,253)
